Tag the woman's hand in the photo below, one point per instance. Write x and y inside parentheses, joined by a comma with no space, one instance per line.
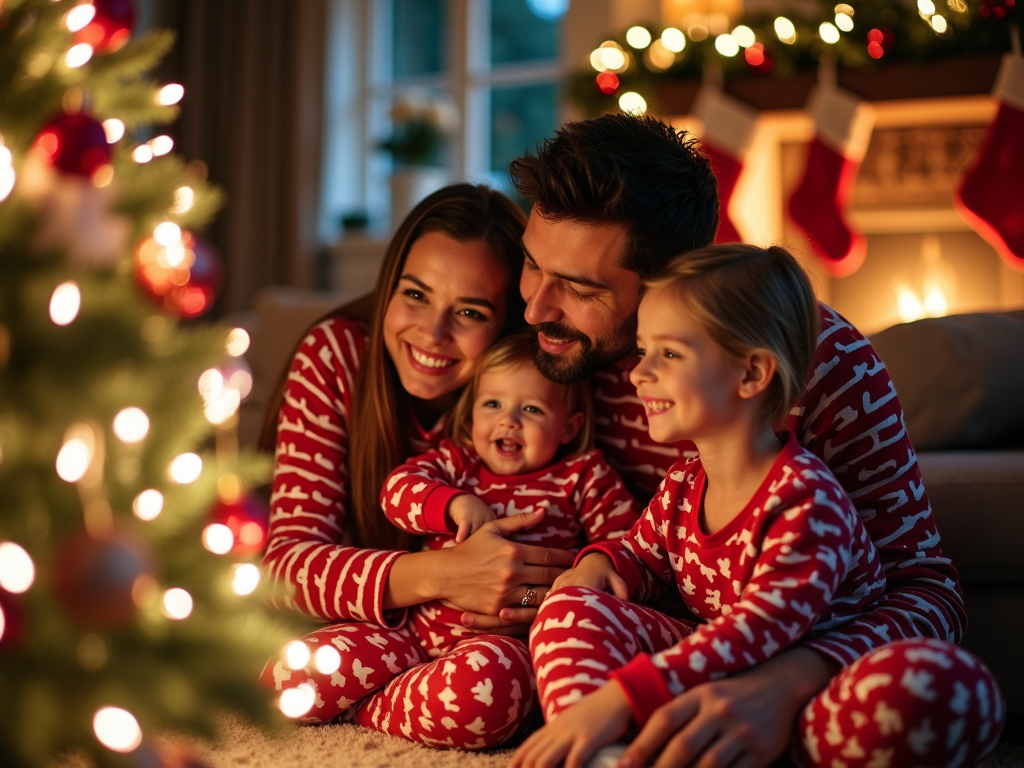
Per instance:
(597,572)
(487,572)
(595,721)
(743,721)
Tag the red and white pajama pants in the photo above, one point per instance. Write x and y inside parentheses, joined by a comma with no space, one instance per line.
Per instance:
(475,696)
(913,702)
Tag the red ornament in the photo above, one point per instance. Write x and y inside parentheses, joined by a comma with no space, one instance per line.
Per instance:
(182,278)
(758,57)
(247,518)
(94,580)
(76,144)
(110,27)
(607,82)
(12,621)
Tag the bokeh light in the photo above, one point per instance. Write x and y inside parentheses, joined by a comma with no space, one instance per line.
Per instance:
(295,702)
(17,572)
(726,45)
(78,55)
(177,604)
(170,94)
(785,30)
(79,17)
(117,729)
(245,577)
(65,302)
(632,103)
(296,654)
(184,198)
(673,39)
(638,37)
(113,127)
(828,32)
(148,505)
(218,538)
(327,660)
(238,342)
(744,36)
(76,453)
(186,468)
(161,145)
(131,425)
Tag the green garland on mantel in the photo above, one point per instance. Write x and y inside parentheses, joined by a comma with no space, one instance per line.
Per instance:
(974,27)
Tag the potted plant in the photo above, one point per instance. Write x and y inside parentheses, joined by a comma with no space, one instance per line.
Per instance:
(421,125)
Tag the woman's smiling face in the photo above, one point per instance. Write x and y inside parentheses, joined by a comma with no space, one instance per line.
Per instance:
(447,309)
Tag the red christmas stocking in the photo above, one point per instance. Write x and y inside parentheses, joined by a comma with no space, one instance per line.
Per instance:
(991,195)
(842,130)
(728,129)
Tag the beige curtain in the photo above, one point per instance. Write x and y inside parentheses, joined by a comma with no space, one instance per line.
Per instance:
(253,77)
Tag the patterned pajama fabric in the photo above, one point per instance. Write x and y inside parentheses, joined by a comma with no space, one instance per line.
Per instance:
(583,498)
(851,419)
(918,702)
(473,697)
(796,560)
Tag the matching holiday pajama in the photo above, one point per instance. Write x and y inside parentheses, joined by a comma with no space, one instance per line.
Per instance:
(850,417)
(584,500)
(475,696)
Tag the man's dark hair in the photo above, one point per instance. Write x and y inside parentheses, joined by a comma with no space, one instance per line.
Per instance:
(621,169)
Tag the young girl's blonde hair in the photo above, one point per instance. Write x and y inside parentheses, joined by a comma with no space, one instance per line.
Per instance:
(750,298)
(509,352)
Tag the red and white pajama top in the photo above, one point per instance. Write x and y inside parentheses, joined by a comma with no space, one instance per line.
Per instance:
(327,579)
(850,418)
(796,560)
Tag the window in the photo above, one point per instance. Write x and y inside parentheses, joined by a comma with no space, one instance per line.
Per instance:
(498,60)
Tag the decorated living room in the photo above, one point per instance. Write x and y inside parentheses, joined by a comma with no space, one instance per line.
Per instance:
(511,383)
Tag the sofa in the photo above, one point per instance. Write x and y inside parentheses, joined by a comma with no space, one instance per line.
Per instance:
(961,383)
(960,380)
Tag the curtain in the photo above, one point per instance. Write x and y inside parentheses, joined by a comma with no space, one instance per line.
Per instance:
(253,72)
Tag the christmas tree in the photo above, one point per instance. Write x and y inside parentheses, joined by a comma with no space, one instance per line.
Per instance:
(129,533)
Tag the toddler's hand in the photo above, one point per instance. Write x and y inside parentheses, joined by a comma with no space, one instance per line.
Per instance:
(595,571)
(468,513)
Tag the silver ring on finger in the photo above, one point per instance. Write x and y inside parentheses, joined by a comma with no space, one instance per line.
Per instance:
(529,597)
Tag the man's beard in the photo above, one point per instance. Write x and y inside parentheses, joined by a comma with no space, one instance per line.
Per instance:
(566,369)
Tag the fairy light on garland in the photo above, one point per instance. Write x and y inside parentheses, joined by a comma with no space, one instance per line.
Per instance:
(857,35)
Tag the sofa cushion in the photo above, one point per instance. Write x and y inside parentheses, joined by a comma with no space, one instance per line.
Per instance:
(960,378)
(978,500)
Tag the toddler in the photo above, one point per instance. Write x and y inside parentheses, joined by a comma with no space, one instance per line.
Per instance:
(520,444)
(759,538)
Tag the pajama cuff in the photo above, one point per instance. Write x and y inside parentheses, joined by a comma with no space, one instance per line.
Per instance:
(623,562)
(644,687)
(388,619)
(435,508)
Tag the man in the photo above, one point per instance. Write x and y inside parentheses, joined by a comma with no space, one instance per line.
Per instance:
(613,201)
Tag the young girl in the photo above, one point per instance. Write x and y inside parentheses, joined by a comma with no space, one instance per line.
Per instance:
(761,541)
(522,443)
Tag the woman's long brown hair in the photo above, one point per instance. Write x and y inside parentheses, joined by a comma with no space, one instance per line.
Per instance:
(378,427)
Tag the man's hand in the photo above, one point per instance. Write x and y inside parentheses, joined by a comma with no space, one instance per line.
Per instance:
(743,721)
(469,513)
(597,572)
(578,732)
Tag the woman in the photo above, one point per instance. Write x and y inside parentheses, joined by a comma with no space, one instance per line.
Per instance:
(358,400)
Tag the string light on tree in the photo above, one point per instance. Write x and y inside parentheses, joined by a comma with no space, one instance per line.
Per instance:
(327,660)
(148,505)
(744,36)
(79,16)
(828,32)
(727,45)
(296,654)
(142,154)
(161,145)
(844,17)
(76,453)
(65,303)
(184,198)
(7,175)
(245,577)
(78,55)
(170,94)
(673,39)
(186,468)
(237,343)
(117,729)
(17,572)
(176,604)
(217,538)
(295,702)
(131,425)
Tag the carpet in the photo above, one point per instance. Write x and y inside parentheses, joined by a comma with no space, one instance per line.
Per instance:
(349,746)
